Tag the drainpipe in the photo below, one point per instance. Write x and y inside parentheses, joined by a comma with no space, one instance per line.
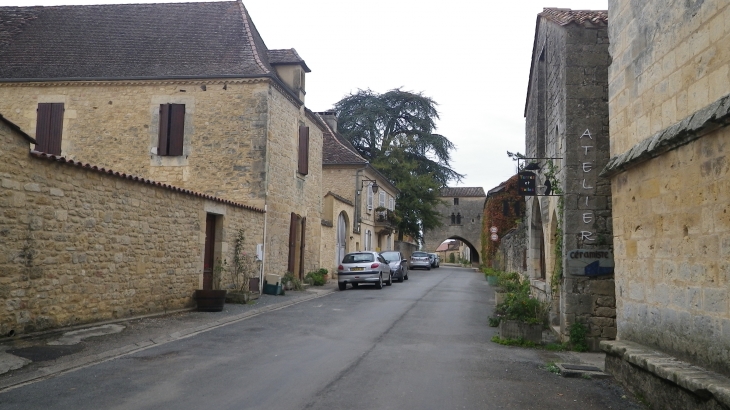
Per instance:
(358,199)
(263,251)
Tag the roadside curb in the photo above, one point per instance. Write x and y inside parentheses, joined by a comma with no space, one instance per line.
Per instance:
(54,370)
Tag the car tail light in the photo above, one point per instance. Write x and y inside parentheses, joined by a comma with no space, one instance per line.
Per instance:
(375,265)
(340,267)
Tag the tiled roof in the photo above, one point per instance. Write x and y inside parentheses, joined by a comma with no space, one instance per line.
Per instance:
(337,151)
(567,16)
(135,178)
(462,192)
(287,56)
(166,40)
(340,198)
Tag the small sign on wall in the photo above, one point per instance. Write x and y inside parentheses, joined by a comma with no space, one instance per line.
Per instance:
(590,262)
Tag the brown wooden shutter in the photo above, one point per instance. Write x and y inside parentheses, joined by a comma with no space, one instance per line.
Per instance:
(177,129)
(301,254)
(164,129)
(292,242)
(172,130)
(49,127)
(303,150)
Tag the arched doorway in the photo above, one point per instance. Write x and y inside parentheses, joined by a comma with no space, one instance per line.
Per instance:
(341,245)
(468,251)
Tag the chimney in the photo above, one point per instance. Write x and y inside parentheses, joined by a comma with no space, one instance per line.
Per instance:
(330,117)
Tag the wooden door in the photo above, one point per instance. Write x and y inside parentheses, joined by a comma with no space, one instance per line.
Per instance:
(209,254)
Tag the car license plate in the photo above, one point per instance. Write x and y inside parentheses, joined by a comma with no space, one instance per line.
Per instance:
(357,268)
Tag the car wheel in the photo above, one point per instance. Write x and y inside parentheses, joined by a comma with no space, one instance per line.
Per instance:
(406,276)
(379,283)
(429,268)
(342,285)
(400,278)
(390,280)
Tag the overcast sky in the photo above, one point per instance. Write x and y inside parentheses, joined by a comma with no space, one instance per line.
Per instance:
(472,57)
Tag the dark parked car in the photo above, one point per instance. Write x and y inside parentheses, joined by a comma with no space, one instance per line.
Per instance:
(363,267)
(398,265)
(420,260)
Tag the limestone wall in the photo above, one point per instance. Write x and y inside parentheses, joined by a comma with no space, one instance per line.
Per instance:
(287,190)
(671,219)
(670,59)
(334,207)
(241,143)
(81,245)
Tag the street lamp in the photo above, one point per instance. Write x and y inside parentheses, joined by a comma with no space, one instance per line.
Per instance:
(375,184)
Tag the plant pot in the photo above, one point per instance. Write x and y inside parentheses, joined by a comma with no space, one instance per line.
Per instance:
(238,297)
(492,280)
(514,329)
(210,300)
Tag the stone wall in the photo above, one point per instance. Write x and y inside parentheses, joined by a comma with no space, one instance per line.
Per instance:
(241,143)
(567,120)
(82,245)
(671,220)
(335,206)
(510,255)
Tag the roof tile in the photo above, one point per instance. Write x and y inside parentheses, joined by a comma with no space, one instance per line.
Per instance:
(461,192)
(130,41)
(581,17)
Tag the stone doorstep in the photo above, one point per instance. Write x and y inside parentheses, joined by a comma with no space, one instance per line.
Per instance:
(697,380)
(575,370)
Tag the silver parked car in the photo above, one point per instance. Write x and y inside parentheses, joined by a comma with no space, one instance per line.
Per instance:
(420,260)
(398,265)
(435,260)
(363,267)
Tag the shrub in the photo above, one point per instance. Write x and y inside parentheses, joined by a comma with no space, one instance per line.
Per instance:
(315,278)
(452,258)
(578,333)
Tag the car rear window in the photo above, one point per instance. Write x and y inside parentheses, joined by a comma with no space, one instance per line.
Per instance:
(420,254)
(358,257)
(391,256)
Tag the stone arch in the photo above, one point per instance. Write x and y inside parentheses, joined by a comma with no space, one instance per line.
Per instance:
(536,244)
(473,251)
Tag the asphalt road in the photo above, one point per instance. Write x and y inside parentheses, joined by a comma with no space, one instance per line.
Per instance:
(421,344)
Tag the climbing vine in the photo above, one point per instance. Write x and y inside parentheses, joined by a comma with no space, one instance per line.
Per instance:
(495,215)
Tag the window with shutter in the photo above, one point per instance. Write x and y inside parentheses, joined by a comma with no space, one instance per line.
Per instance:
(303,167)
(172,130)
(381,199)
(391,204)
(49,127)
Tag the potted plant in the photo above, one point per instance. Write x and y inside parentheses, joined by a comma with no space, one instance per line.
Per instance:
(212,300)
(520,315)
(244,266)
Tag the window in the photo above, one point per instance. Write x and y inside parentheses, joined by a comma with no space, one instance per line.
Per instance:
(456,201)
(458,218)
(381,199)
(49,127)
(368,240)
(453,219)
(391,204)
(370,196)
(505,208)
(303,150)
(172,130)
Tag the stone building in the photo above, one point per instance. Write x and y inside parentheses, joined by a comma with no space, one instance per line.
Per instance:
(82,243)
(669,98)
(358,203)
(503,211)
(181,93)
(461,219)
(569,240)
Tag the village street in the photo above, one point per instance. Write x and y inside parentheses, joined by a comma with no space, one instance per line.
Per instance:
(421,344)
